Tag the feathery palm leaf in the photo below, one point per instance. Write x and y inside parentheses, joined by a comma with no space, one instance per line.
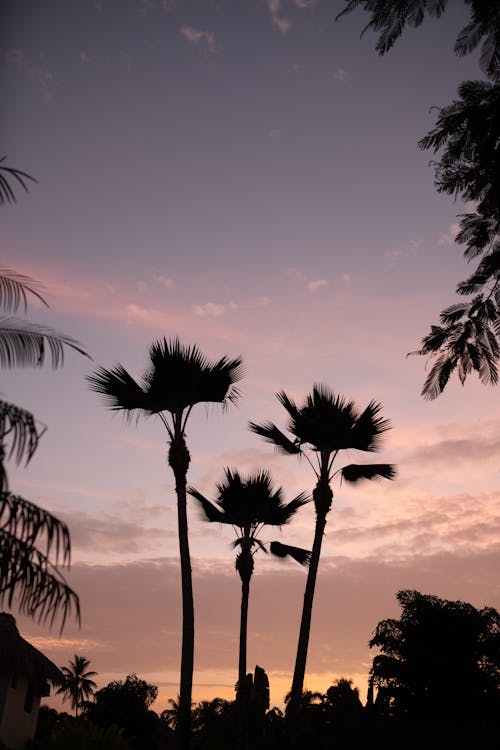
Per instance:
(25,344)
(355,473)
(19,432)
(29,523)
(15,289)
(7,175)
(29,579)
(389,19)
(302,556)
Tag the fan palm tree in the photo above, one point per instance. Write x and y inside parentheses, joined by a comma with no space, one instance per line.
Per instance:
(320,429)
(178,379)
(78,684)
(248,505)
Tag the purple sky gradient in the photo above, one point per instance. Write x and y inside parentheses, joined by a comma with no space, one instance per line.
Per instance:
(244,175)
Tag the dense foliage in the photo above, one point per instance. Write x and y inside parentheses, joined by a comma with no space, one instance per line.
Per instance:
(441,659)
(467,138)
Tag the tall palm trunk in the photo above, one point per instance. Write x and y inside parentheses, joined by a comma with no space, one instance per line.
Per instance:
(322,496)
(244,566)
(179,459)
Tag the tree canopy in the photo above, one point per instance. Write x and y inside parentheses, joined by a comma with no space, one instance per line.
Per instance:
(467,138)
(440,659)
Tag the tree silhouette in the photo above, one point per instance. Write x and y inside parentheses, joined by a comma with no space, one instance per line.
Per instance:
(320,429)
(126,704)
(9,175)
(178,379)
(78,684)
(248,505)
(389,18)
(440,659)
(467,135)
(29,576)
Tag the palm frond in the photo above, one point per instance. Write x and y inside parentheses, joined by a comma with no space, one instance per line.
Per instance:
(14,290)
(25,344)
(302,556)
(19,434)
(438,376)
(273,435)
(369,428)
(28,523)
(182,376)
(120,390)
(355,473)
(7,174)
(212,513)
(29,580)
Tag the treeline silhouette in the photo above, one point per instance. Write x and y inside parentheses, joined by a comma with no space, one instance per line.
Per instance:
(435,683)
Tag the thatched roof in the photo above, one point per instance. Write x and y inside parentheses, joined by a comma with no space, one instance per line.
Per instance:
(19,655)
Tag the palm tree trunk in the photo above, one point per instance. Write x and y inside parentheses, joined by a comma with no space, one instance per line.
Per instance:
(179,461)
(242,662)
(322,499)
(244,566)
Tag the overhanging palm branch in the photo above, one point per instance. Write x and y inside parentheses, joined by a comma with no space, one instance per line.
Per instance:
(15,289)
(29,524)
(31,581)
(389,18)
(26,344)
(19,434)
(9,175)
(22,343)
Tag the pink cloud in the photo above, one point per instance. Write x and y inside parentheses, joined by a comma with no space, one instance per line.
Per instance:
(200,36)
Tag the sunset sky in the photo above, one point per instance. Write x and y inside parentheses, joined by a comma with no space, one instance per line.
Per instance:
(243,174)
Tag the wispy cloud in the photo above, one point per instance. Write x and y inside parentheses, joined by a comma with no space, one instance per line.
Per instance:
(341,75)
(274,135)
(84,58)
(283,24)
(14,57)
(166,281)
(393,256)
(313,286)
(200,37)
(209,310)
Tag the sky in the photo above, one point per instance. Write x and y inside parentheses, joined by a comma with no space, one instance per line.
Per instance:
(245,175)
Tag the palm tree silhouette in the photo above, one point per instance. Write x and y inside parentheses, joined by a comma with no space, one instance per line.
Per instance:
(325,425)
(78,684)
(248,505)
(178,378)
(29,576)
